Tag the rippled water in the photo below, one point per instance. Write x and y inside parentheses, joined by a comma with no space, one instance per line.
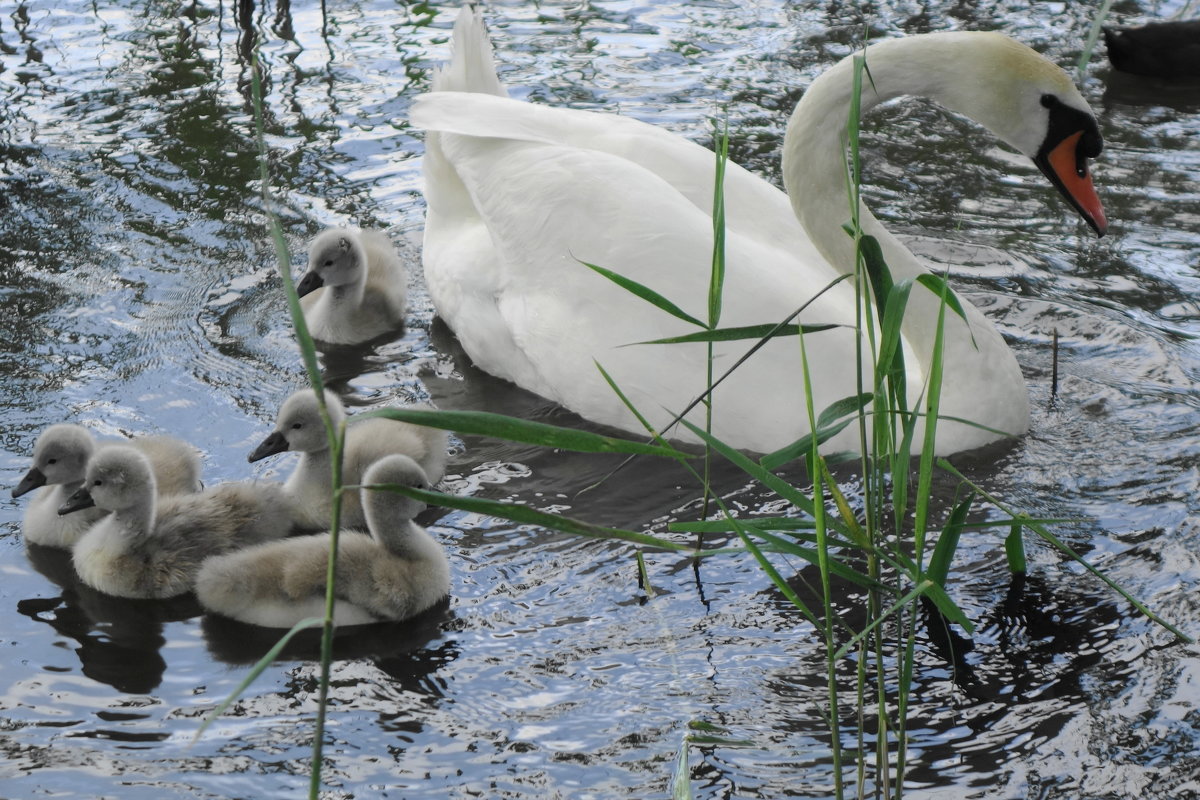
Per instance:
(140,296)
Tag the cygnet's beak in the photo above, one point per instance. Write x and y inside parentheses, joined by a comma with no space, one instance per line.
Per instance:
(309,283)
(32,480)
(79,499)
(275,443)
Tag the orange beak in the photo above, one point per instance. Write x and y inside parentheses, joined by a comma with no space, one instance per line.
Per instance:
(1067,168)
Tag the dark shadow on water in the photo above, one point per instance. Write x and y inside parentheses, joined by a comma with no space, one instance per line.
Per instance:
(120,640)
(343,363)
(1136,90)
(238,643)
(605,489)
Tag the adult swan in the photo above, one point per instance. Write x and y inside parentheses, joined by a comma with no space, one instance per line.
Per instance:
(519,194)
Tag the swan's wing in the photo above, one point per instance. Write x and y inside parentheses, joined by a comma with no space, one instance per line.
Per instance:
(507,275)
(754,207)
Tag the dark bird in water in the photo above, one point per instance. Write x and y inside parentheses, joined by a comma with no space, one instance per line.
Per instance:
(1161,49)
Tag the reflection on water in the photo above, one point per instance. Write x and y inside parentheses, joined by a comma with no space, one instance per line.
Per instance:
(139,294)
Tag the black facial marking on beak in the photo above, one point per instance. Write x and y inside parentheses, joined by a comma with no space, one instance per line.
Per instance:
(1072,137)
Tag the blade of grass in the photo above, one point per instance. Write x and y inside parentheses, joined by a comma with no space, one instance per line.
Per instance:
(947,543)
(768,479)
(1014,550)
(545,519)
(763,332)
(646,293)
(1062,547)
(1089,44)
(515,429)
(716,285)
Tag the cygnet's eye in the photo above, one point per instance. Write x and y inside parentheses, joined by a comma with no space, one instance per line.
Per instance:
(329,262)
(297,426)
(52,461)
(97,482)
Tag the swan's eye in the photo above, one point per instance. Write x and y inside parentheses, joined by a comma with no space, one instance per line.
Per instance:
(1048,100)
(97,482)
(329,262)
(52,461)
(297,426)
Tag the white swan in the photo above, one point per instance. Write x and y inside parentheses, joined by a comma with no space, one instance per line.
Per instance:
(299,428)
(151,548)
(518,194)
(393,573)
(355,289)
(60,457)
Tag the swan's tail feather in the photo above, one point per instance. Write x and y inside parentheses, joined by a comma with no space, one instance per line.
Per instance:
(471,68)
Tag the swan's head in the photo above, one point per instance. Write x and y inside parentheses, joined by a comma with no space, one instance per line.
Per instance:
(60,455)
(1028,102)
(117,478)
(380,505)
(299,426)
(335,258)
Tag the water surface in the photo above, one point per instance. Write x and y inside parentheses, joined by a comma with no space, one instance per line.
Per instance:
(140,296)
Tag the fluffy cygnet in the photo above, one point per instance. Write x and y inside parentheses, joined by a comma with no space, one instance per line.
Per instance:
(393,573)
(60,458)
(355,289)
(299,428)
(151,548)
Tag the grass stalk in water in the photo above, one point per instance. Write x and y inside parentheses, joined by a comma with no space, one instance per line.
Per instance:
(336,438)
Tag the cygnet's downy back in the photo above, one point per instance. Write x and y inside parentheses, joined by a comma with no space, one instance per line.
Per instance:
(151,548)
(393,573)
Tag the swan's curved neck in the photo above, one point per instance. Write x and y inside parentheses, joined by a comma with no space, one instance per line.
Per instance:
(814,148)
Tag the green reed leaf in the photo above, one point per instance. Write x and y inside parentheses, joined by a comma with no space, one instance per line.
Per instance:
(514,429)
(646,293)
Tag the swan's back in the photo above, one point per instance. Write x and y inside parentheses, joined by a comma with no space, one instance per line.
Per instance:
(153,549)
(367,441)
(372,439)
(175,463)
(225,517)
(519,194)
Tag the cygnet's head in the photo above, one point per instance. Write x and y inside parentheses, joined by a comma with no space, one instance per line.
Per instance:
(299,426)
(394,470)
(335,258)
(117,478)
(60,455)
